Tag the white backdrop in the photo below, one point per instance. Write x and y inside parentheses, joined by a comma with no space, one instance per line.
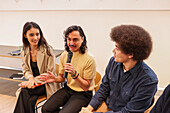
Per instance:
(84,4)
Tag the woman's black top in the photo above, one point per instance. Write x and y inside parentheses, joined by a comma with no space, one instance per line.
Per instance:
(34,68)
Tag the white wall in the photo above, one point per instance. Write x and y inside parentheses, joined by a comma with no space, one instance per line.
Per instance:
(84,4)
(97,25)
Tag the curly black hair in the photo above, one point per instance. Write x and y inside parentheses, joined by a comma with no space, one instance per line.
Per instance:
(133,39)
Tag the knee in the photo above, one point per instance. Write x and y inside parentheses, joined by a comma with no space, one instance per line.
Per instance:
(32,100)
(23,91)
(44,109)
(47,109)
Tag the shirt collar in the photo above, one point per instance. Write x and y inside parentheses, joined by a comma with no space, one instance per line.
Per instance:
(134,69)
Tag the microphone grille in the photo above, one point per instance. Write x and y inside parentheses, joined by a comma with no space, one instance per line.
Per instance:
(70,54)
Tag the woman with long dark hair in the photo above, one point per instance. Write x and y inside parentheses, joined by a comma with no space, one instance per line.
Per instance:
(37,59)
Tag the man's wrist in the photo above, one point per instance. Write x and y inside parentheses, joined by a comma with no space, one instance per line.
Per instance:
(90,108)
(75,77)
(74,74)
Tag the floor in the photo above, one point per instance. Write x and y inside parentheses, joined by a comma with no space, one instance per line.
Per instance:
(8,86)
(7,94)
(7,103)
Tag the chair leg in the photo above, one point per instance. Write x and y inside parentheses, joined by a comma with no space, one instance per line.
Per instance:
(38,106)
(36,109)
(39,100)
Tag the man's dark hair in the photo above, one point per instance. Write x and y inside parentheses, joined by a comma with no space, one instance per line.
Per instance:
(70,29)
(134,40)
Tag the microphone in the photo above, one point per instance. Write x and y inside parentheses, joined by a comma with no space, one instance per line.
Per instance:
(70,54)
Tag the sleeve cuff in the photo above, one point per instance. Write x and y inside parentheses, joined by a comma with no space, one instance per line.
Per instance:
(94,104)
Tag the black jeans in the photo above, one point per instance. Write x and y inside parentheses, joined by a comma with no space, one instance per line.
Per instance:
(27,99)
(71,101)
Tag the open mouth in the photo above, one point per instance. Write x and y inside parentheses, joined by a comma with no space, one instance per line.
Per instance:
(71,47)
(35,41)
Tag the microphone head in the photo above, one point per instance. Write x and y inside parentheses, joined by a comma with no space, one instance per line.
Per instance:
(70,54)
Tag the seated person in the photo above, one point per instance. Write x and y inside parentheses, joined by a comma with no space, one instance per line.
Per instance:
(37,58)
(77,92)
(163,103)
(129,84)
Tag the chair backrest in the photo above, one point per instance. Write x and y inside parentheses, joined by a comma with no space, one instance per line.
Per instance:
(39,100)
(97,81)
(57,68)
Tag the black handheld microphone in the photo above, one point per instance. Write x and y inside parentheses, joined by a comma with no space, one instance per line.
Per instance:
(70,54)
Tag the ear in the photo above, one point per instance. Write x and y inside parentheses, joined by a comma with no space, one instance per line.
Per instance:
(25,36)
(130,56)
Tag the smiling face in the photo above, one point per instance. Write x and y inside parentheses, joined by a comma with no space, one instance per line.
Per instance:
(33,36)
(120,56)
(74,41)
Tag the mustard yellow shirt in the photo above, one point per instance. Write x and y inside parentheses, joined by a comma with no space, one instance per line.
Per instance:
(85,66)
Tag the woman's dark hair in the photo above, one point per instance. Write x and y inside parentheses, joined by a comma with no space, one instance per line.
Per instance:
(42,41)
(70,29)
(134,40)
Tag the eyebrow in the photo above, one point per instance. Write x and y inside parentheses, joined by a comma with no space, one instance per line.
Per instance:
(73,38)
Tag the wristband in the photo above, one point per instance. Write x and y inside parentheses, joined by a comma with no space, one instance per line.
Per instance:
(74,74)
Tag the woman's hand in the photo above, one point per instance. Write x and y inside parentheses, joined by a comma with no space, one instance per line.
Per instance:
(23,84)
(47,78)
(29,84)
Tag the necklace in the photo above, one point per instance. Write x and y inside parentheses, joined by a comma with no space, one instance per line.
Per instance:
(33,55)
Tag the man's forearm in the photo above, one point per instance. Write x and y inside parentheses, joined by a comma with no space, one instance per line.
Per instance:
(83,83)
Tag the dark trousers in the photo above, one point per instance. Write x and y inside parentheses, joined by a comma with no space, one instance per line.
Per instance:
(27,99)
(71,101)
